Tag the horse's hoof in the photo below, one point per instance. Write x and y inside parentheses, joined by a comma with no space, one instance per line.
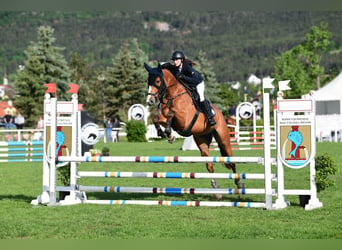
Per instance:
(168,131)
(218,197)
(229,165)
(161,134)
(214,184)
(172,139)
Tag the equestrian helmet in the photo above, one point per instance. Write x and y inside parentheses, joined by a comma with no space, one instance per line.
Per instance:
(178,54)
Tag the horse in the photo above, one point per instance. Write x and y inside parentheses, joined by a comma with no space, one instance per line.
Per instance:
(232,122)
(178,111)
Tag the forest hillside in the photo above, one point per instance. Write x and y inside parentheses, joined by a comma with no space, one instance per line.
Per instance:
(237,43)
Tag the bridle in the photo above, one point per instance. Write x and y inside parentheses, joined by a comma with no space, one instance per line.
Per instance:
(162,89)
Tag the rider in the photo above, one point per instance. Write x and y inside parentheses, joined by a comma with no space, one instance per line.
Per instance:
(193,78)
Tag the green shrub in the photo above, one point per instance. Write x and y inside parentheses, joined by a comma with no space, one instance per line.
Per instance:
(63,174)
(136,131)
(325,167)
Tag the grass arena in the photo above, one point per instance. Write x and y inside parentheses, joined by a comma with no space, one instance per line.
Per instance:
(22,182)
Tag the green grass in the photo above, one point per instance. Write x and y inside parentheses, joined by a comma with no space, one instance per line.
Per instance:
(21,183)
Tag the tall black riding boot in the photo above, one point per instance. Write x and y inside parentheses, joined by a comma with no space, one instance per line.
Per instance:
(209,112)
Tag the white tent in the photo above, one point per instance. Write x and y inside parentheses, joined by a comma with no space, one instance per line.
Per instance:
(328,109)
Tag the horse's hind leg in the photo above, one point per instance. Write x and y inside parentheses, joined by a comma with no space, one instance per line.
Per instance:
(226,150)
(203,145)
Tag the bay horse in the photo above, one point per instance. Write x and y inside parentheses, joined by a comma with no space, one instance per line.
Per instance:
(231,121)
(178,111)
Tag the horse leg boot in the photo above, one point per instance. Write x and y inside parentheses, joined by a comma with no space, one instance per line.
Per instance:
(237,181)
(209,112)
(213,181)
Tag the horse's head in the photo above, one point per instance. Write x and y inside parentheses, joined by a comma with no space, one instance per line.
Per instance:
(156,84)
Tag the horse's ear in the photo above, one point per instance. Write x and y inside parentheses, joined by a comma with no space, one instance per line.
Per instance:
(159,67)
(147,67)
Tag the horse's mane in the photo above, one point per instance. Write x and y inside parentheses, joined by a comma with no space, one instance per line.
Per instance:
(172,68)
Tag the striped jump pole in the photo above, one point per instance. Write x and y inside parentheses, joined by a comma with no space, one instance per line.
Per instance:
(170,190)
(179,203)
(20,149)
(23,160)
(22,155)
(162,159)
(172,175)
(21,143)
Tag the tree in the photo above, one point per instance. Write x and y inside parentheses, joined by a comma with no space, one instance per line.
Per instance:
(316,43)
(289,67)
(301,64)
(94,100)
(229,97)
(80,74)
(44,64)
(126,80)
(212,87)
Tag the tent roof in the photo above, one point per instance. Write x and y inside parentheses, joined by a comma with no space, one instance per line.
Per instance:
(331,91)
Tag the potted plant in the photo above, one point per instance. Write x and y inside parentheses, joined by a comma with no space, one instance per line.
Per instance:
(325,167)
(95,152)
(105,151)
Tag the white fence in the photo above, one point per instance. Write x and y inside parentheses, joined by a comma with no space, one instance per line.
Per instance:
(21,134)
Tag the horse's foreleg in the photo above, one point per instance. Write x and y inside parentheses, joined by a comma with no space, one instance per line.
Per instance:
(169,118)
(156,122)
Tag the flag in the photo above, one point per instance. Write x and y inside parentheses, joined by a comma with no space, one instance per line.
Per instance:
(283,85)
(73,88)
(51,88)
(267,83)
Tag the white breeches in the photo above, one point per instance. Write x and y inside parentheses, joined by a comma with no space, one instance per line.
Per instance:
(200,91)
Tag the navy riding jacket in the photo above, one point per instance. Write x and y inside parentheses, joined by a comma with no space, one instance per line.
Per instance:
(189,74)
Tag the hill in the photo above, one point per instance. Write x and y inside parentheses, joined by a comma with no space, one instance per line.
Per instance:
(237,43)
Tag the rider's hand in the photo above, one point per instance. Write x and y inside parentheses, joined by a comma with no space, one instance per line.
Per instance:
(180,76)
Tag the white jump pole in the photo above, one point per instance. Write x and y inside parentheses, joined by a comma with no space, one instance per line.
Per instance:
(53,133)
(267,84)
